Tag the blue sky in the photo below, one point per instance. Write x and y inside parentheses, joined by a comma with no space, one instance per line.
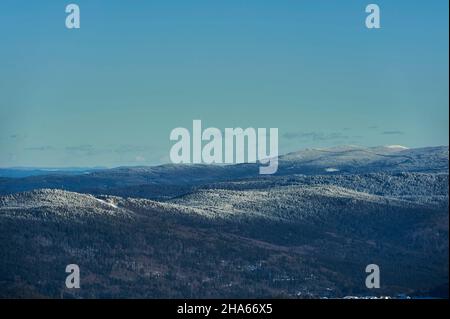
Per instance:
(109,93)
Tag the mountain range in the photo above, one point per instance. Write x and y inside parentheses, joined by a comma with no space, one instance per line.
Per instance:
(224,231)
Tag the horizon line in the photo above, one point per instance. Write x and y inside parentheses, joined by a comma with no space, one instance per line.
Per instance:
(105,167)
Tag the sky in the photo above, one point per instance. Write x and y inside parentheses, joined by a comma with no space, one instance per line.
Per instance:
(109,93)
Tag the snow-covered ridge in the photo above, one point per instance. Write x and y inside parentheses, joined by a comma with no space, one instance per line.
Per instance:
(399,147)
(55,202)
(59,203)
(289,203)
(50,197)
(281,198)
(353,159)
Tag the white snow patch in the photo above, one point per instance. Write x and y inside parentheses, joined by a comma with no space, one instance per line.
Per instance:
(397,146)
(106,203)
